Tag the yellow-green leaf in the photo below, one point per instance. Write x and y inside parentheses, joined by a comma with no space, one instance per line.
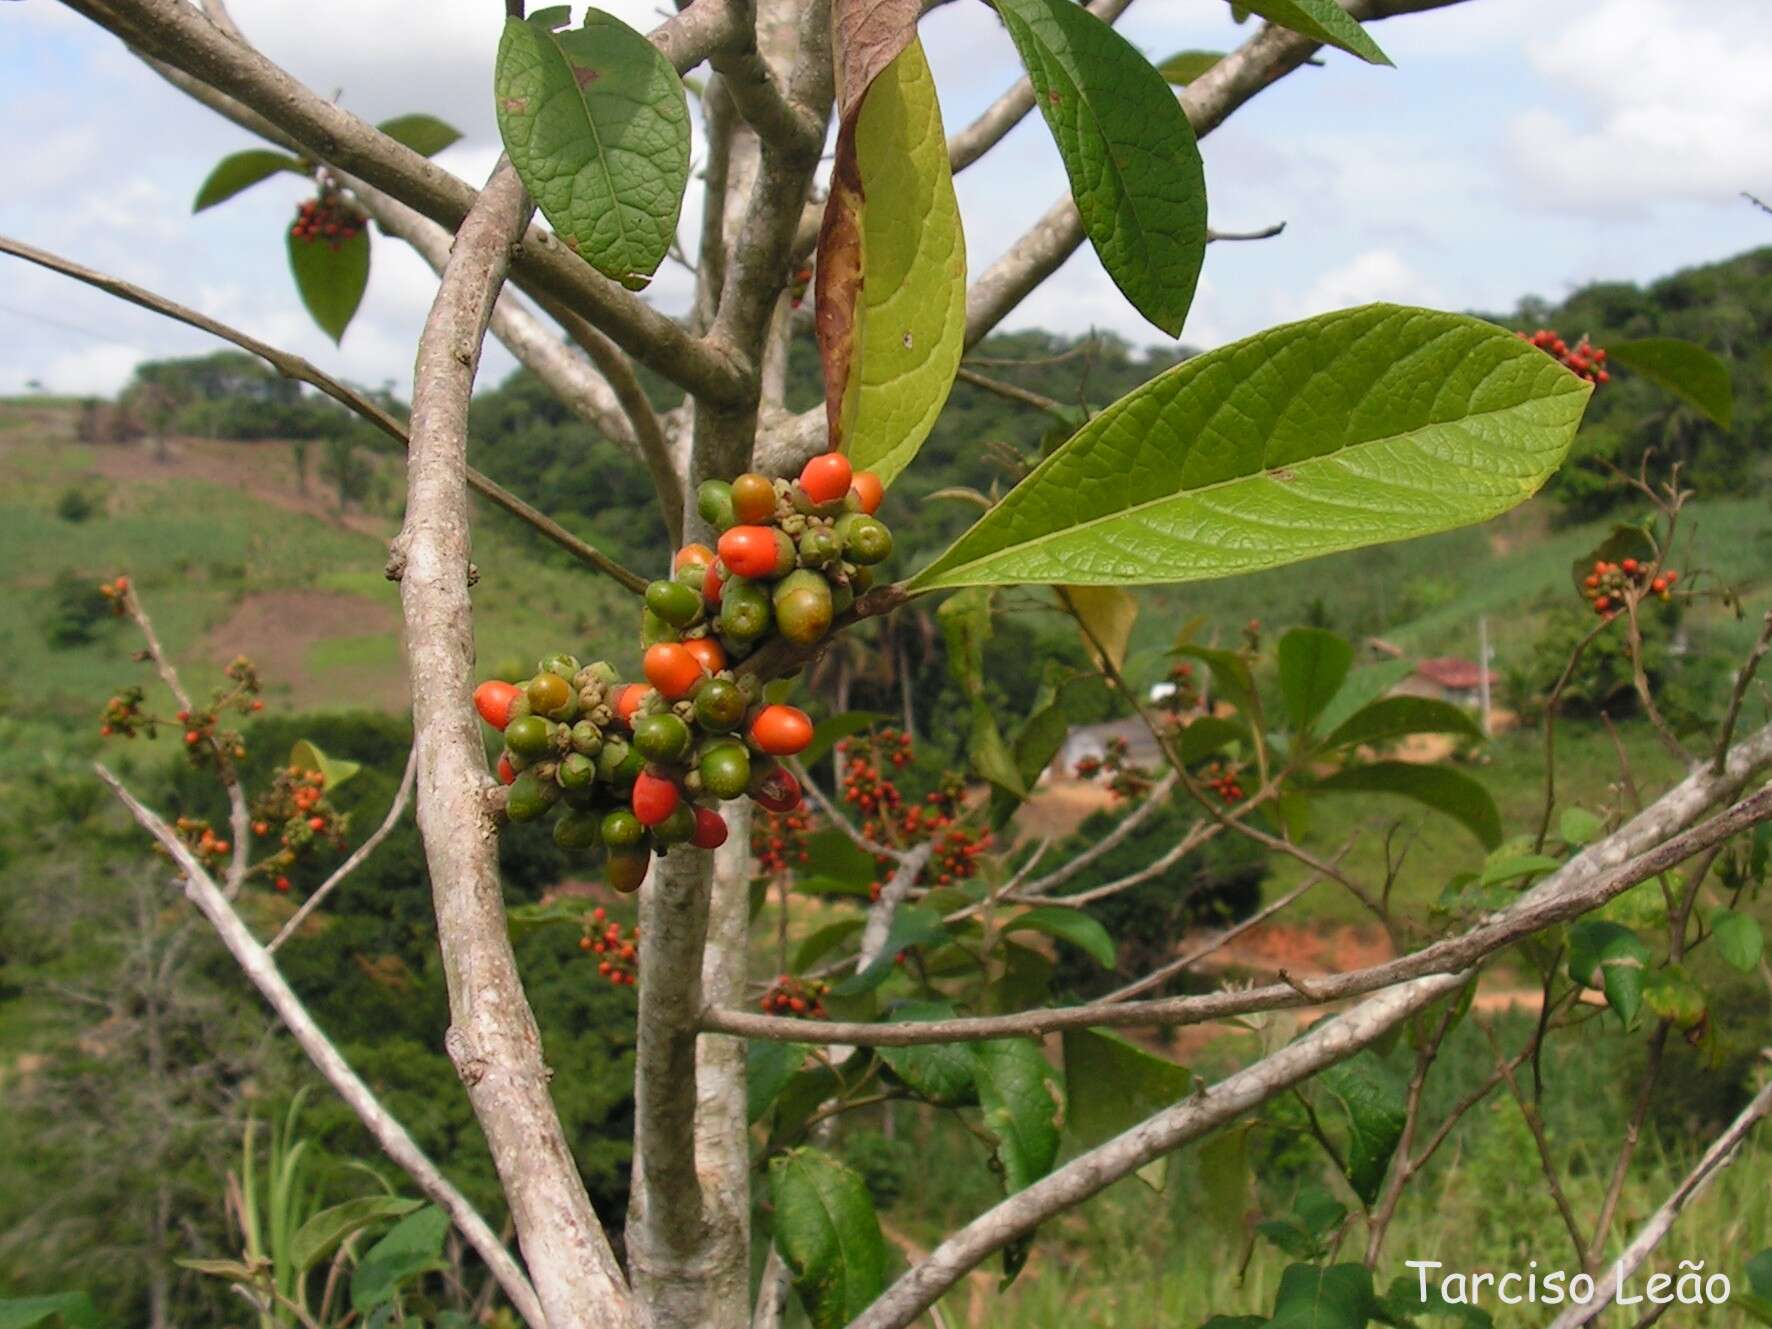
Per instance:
(1104,615)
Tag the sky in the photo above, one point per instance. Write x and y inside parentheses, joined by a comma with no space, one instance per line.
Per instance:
(1518,147)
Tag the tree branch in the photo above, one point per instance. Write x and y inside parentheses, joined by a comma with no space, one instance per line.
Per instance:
(258,966)
(1650,843)
(1330,1042)
(492,1038)
(171,32)
(396,810)
(294,366)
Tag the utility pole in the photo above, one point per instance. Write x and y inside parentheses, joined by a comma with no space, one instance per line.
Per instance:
(1483,670)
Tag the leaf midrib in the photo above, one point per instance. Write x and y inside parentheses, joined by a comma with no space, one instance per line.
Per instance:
(607,171)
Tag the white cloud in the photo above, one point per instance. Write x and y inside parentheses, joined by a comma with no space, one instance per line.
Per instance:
(1377,274)
(1675,103)
(98,368)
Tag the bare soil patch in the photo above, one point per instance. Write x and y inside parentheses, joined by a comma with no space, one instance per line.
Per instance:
(276,629)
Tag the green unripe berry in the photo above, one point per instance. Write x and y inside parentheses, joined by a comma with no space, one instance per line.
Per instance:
(627,868)
(745,614)
(865,539)
(713,500)
(551,695)
(621,829)
(528,737)
(726,770)
(562,664)
(720,706)
(819,546)
(661,737)
(587,739)
(578,831)
(674,602)
(528,797)
(803,607)
(610,757)
(679,827)
(654,629)
(577,771)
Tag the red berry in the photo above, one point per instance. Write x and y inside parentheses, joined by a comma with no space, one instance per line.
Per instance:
(710,829)
(868,490)
(493,700)
(752,551)
(654,798)
(781,731)
(826,478)
(507,773)
(672,669)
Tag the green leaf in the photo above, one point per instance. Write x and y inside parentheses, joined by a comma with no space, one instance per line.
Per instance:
(524,919)
(1184,67)
(320,1235)
(1578,826)
(832,857)
(1363,686)
(595,121)
(828,733)
(308,757)
(1104,615)
(1310,1297)
(1394,717)
(1225,1179)
(1441,788)
(822,942)
(828,1234)
(768,1068)
(1376,1107)
(1685,369)
(1739,938)
(1624,542)
(414,1247)
(242,170)
(940,1073)
(1403,1301)
(1758,1302)
(1128,149)
(1612,958)
(235,1271)
(331,278)
(990,755)
(424,134)
(1349,429)
(1206,735)
(1321,20)
(1313,666)
(891,271)
(71,1309)
(1512,867)
(1671,994)
(1023,1105)
(1231,678)
(966,626)
(1082,930)
(912,925)
(1039,741)
(1115,1085)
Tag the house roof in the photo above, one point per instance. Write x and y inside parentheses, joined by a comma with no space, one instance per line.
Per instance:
(1448,671)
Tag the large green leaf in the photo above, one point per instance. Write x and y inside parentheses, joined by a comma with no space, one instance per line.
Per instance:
(1184,67)
(835,864)
(912,925)
(1613,958)
(424,134)
(1740,940)
(320,1235)
(306,755)
(941,1073)
(242,170)
(1395,717)
(1206,735)
(828,1234)
(1226,1179)
(1685,369)
(825,940)
(1313,665)
(966,626)
(1104,615)
(1023,1105)
(414,1247)
(1438,787)
(1313,1297)
(768,1068)
(1115,1085)
(1376,1107)
(1321,20)
(1372,424)
(595,121)
(1082,930)
(331,278)
(1363,686)
(1128,149)
(891,271)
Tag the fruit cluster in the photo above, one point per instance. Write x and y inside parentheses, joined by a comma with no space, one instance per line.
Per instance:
(200,837)
(206,742)
(327,217)
(295,810)
(1609,585)
(778,841)
(1124,779)
(1582,359)
(889,817)
(791,556)
(801,997)
(637,766)
(117,593)
(1222,779)
(620,950)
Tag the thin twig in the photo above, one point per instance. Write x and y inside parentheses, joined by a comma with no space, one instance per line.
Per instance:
(1013,392)
(397,810)
(294,366)
(1547,1165)
(1742,680)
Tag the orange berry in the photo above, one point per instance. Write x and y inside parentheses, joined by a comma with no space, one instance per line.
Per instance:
(707,652)
(756,551)
(781,731)
(493,700)
(826,478)
(688,554)
(672,669)
(626,700)
(869,490)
